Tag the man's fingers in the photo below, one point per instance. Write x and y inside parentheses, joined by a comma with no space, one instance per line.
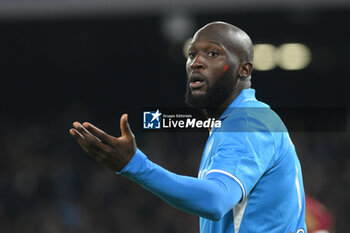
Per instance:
(98,133)
(124,127)
(75,134)
(80,139)
(84,132)
(89,143)
(87,140)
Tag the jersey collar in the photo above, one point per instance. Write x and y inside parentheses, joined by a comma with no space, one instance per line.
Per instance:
(245,95)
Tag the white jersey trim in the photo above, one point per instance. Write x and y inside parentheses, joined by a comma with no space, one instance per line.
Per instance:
(297,184)
(230,175)
(248,100)
(238,212)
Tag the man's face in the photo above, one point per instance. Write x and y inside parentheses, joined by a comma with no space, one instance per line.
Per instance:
(211,69)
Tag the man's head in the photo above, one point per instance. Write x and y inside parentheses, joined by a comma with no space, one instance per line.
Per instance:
(219,65)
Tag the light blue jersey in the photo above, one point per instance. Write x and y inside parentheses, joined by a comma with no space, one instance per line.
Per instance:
(249,180)
(254,148)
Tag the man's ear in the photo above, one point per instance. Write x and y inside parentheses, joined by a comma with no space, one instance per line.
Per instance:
(245,69)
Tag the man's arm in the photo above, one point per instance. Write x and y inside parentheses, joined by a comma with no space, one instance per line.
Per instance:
(210,198)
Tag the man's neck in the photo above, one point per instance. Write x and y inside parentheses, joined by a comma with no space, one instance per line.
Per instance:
(217,112)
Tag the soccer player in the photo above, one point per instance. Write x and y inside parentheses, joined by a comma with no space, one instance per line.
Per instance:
(250,178)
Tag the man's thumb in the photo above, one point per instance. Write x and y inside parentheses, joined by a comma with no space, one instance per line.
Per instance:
(124,126)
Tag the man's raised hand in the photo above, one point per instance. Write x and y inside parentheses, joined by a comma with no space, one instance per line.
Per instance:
(112,152)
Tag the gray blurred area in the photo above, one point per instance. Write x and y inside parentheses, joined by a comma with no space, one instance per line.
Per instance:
(62,8)
(63,61)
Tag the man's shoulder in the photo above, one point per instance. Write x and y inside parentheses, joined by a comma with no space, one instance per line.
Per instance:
(253,116)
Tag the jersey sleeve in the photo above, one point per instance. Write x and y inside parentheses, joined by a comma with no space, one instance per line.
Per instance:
(244,156)
(210,198)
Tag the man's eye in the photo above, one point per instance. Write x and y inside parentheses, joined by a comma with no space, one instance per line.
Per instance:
(213,54)
(191,54)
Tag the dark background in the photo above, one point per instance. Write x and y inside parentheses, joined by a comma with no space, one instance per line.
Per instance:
(56,71)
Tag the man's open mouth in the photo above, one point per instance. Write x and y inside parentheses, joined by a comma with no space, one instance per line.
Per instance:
(196,82)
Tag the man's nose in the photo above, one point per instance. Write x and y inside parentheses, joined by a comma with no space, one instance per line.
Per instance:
(197,63)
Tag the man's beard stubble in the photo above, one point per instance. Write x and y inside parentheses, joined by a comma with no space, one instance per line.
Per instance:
(215,94)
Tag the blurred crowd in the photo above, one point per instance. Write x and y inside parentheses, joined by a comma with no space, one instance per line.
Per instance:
(48,184)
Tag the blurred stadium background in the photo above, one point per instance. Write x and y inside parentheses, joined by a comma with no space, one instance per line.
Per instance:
(62,61)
